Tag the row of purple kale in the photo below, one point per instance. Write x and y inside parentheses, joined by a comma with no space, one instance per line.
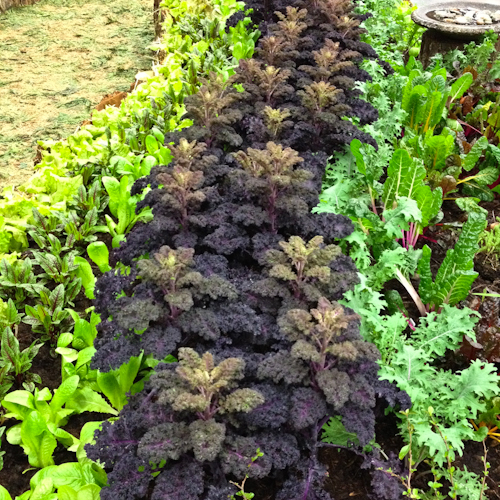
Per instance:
(241,280)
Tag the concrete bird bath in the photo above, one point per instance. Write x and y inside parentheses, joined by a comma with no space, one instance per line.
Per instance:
(445,34)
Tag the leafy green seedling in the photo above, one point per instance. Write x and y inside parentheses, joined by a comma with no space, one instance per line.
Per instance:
(18,281)
(42,415)
(78,230)
(8,314)
(99,254)
(2,453)
(74,474)
(82,350)
(12,238)
(4,494)
(57,268)
(46,318)
(85,274)
(241,487)
(123,206)
(490,242)
(86,200)
(6,380)
(19,362)
(154,146)
(116,384)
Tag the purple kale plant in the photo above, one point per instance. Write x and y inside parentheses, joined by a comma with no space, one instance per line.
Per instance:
(238,280)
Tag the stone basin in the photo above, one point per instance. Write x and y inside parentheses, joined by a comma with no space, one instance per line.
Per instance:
(422,16)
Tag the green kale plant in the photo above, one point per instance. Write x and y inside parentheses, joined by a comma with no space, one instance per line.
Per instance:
(456,398)
(390,30)
(490,243)
(478,57)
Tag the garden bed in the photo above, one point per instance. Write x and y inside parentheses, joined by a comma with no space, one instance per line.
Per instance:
(217,259)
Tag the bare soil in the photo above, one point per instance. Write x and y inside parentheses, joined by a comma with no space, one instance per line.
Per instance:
(58,58)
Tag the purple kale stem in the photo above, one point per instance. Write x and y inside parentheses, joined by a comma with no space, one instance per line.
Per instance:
(321,423)
(271,209)
(308,484)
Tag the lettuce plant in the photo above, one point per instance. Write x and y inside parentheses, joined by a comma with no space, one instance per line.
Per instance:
(99,254)
(122,206)
(42,415)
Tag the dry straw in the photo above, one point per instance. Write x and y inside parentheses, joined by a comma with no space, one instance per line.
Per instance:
(8,4)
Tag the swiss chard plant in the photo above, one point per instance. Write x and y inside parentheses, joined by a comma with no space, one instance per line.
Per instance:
(50,315)
(397,210)
(18,280)
(456,274)
(17,363)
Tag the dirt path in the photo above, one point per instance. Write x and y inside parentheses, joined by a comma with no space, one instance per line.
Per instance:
(57,60)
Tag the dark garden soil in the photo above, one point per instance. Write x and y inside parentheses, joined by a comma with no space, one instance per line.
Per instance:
(47,364)
(347,480)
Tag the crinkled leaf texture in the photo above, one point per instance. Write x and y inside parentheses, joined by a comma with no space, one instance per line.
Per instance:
(224,301)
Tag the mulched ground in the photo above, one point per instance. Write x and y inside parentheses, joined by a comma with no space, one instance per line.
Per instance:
(58,59)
